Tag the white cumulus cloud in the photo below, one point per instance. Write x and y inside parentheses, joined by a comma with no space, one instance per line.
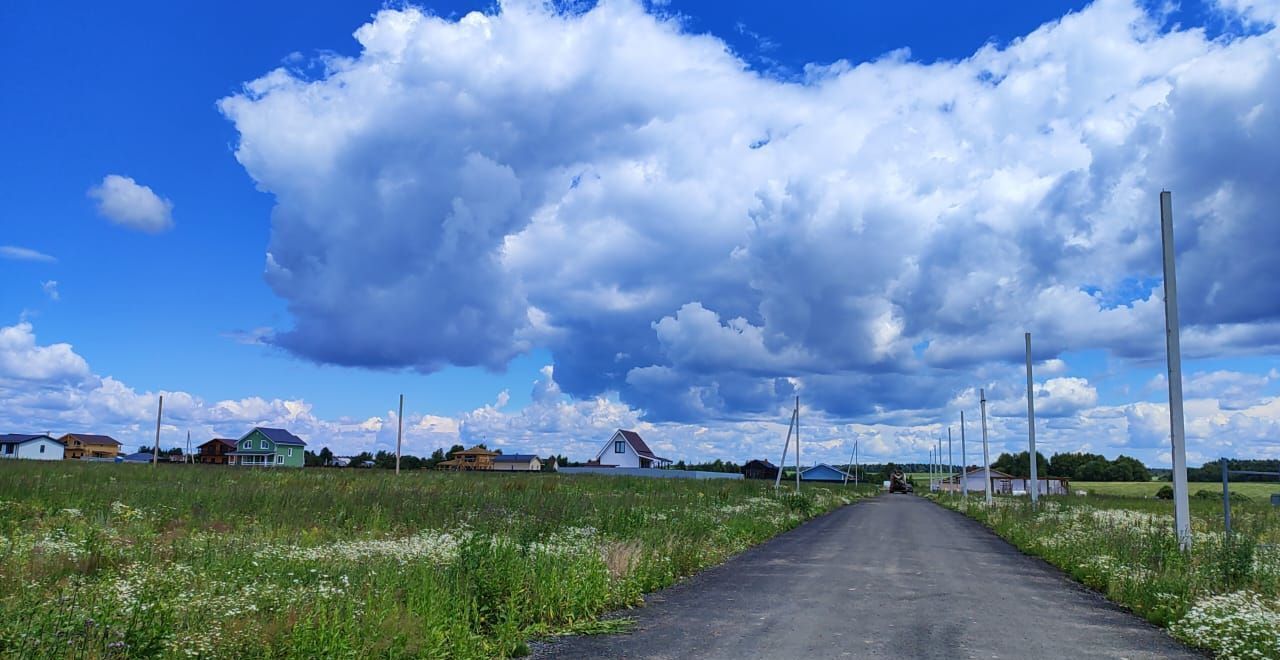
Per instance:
(130,204)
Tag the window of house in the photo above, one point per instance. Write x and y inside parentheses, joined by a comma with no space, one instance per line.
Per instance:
(279,460)
(41,449)
(248,444)
(291,451)
(617,447)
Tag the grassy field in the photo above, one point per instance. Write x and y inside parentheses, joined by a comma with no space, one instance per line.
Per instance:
(103,560)
(1223,595)
(1252,489)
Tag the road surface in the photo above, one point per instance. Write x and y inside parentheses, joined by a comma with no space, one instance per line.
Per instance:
(894,576)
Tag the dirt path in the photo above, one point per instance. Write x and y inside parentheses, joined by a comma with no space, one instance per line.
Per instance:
(896,576)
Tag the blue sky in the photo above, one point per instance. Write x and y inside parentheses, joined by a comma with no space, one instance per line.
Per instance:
(632,312)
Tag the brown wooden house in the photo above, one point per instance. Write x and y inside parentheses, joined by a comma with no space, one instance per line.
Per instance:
(476,458)
(87,445)
(214,452)
(759,469)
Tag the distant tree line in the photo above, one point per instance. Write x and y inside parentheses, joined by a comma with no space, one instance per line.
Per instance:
(1074,466)
(1212,471)
(386,460)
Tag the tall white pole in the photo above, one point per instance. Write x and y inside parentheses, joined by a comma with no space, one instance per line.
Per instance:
(986,455)
(951,462)
(938,462)
(1031,427)
(964,461)
(930,470)
(155,451)
(1177,432)
(777,480)
(855,462)
(797,444)
(399,432)
(850,466)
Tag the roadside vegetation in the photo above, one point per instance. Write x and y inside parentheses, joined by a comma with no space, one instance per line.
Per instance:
(105,561)
(1223,596)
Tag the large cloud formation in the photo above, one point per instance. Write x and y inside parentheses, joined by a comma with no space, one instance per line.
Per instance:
(706,240)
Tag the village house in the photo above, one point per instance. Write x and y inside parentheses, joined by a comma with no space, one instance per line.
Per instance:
(38,447)
(627,449)
(1002,483)
(759,469)
(85,445)
(476,458)
(216,451)
(267,447)
(517,463)
(824,472)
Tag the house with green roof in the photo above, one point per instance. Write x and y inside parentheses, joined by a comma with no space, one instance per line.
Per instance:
(267,447)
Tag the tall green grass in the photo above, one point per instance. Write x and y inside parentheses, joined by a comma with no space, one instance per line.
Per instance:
(1223,595)
(100,560)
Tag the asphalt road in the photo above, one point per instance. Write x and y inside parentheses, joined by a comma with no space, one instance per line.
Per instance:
(895,576)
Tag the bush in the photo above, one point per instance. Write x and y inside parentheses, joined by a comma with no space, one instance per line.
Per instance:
(1165,492)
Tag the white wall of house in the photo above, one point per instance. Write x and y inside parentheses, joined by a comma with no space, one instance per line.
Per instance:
(533,465)
(618,452)
(40,449)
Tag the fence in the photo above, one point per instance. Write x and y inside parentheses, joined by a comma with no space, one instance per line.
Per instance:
(650,472)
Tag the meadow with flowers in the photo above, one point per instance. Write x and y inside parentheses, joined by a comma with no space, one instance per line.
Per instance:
(106,560)
(1223,596)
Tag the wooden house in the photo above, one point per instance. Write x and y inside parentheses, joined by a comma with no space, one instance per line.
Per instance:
(759,469)
(86,445)
(37,447)
(517,463)
(216,451)
(476,458)
(627,449)
(268,447)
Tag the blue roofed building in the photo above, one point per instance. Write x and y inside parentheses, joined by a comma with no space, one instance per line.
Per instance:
(824,472)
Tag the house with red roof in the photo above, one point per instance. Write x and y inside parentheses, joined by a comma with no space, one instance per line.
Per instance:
(627,449)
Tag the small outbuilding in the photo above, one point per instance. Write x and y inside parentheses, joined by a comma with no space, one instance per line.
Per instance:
(975,479)
(517,463)
(824,472)
(35,447)
(759,469)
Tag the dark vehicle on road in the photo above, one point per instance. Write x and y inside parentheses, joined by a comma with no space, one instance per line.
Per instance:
(898,483)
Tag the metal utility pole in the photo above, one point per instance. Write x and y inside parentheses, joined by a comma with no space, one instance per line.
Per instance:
(1177,432)
(187,457)
(797,444)
(155,451)
(938,462)
(1226,496)
(931,470)
(1031,427)
(399,432)
(964,461)
(777,481)
(951,463)
(986,455)
(851,455)
(855,462)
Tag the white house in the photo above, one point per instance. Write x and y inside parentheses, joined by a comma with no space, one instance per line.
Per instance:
(33,447)
(1002,483)
(627,449)
(517,463)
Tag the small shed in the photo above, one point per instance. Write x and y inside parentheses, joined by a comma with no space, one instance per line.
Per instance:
(517,463)
(824,472)
(759,469)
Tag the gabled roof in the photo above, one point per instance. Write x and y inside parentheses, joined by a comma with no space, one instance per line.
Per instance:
(23,438)
(638,445)
(138,457)
(90,439)
(225,441)
(825,467)
(278,436)
(761,462)
(514,458)
(477,450)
